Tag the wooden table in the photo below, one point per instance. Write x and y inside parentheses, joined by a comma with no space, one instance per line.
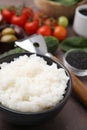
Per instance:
(72,117)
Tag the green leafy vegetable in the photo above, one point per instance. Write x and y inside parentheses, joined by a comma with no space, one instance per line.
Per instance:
(74,42)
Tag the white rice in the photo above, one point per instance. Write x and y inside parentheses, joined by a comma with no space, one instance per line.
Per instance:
(29,84)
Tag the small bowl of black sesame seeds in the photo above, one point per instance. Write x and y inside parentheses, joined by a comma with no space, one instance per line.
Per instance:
(76,61)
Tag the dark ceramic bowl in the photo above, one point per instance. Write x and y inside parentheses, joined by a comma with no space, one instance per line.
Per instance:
(33,118)
(19,33)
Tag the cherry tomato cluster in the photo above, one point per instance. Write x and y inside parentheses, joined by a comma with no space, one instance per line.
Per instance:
(34,22)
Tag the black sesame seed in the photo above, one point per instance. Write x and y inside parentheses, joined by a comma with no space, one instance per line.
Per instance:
(77,59)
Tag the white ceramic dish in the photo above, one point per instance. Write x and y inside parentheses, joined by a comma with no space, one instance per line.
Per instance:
(80,21)
(76,71)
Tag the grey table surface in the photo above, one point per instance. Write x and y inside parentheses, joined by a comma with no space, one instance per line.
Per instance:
(72,117)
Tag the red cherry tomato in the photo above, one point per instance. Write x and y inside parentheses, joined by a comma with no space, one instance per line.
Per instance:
(37,15)
(28,12)
(40,15)
(48,22)
(60,32)
(31,27)
(18,20)
(7,14)
(44,30)
(51,22)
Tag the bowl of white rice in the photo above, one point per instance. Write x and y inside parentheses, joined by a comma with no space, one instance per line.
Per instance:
(33,88)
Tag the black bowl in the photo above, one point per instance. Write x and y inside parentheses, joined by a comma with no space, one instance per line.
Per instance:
(32,118)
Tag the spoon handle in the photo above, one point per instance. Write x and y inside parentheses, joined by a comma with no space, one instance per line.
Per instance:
(78,87)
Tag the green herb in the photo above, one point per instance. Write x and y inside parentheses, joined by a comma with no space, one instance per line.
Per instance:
(66,2)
